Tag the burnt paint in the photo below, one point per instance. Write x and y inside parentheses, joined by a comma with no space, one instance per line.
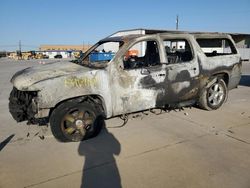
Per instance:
(148,82)
(169,94)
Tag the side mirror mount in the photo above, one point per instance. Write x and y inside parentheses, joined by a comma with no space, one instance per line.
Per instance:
(145,71)
(125,58)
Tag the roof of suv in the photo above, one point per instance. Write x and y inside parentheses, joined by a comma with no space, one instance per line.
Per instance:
(195,34)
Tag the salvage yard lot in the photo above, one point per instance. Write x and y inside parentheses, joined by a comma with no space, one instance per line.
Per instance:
(188,148)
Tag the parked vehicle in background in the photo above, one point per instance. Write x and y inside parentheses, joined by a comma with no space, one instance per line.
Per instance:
(58,56)
(160,70)
(27,55)
(41,56)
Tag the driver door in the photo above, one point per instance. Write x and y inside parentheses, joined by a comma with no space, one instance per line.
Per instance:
(140,78)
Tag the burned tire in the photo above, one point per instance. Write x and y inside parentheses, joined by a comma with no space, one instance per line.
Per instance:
(214,95)
(73,121)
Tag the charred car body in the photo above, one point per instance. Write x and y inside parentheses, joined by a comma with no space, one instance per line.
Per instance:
(143,72)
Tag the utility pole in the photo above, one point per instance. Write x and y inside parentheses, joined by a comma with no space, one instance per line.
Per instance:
(20,46)
(177,22)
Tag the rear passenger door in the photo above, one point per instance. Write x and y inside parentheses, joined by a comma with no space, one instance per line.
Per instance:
(182,69)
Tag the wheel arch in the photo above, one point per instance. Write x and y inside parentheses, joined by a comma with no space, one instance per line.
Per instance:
(215,78)
(96,99)
(222,75)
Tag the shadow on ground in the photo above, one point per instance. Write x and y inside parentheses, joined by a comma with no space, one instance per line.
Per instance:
(245,80)
(6,141)
(100,169)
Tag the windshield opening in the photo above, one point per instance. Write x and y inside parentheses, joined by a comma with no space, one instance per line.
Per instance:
(100,54)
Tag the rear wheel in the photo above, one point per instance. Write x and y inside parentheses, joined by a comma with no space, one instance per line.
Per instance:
(72,121)
(214,95)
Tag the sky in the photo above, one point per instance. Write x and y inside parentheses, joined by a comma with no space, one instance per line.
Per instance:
(37,22)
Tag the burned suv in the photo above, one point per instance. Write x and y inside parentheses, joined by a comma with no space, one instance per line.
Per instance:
(125,74)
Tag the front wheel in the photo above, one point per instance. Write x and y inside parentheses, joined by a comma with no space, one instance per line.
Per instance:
(214,95)
(72,121)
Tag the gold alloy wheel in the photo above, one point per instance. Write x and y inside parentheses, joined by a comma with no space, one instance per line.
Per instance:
(76,123)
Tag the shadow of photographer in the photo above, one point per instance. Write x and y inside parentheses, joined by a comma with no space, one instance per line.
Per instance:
(100,169)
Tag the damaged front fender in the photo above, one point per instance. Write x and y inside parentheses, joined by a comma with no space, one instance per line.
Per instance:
(22,104)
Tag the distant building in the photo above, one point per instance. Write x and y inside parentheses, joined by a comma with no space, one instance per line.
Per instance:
(82,48)
(4,54)
(243,44)
(241,40)
(66,51)
(52,53)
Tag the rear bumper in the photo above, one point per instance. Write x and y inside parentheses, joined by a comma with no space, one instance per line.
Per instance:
(234,82)
(235,77)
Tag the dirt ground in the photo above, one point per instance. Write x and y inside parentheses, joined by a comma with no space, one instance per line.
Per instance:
(188,148)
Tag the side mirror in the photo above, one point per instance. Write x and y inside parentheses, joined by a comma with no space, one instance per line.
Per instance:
(145,71)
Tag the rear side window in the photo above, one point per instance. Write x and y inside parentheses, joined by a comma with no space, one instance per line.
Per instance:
(216,47)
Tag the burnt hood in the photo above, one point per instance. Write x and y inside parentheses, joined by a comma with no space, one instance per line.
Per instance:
(29,76)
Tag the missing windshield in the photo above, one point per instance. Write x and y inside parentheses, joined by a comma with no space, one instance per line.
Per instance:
(100,54)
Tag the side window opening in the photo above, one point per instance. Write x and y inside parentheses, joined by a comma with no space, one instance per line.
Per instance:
(142,54)
(178,50)
(216,47)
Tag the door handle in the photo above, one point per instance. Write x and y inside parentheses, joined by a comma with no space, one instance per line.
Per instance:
(161,74)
